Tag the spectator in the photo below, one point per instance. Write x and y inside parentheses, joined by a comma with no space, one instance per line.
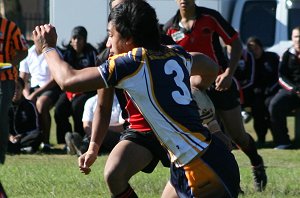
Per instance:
(131,71)
(24,133)
(79,145)
(79,54)
(265,86)
(197,29)
(41,89)
(288,97)
(13,49)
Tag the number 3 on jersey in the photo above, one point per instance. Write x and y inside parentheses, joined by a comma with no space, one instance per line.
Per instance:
(179,98)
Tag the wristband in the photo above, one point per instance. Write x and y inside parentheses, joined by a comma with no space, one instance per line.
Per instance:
(49,49)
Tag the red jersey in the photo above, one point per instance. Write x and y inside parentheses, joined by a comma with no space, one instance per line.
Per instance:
(11,39)
(204,35)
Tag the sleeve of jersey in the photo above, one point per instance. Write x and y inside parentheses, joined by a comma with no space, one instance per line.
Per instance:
(223,28)
(284,80)
(121,67)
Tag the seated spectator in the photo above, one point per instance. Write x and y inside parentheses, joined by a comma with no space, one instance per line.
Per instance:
(24,133)
(79,145)
(288,97)
(40,88)
(79,54)
(265,86)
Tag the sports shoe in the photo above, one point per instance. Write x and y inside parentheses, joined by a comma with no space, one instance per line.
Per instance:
(70,147)
(260,177)
(283,146)
(45,148)
(77,142)
(27,150)
(246,116)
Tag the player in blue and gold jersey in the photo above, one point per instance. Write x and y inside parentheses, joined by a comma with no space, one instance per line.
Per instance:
(157,78)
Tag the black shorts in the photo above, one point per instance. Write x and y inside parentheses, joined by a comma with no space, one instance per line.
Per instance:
(149,141)
(224,100)
(52,93)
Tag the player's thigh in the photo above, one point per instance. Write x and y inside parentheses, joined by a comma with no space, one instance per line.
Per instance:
(169,191)
(234,126)
(126,159)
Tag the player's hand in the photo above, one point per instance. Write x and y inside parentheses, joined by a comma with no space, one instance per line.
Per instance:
(223,82)
(86,160)
(44,37)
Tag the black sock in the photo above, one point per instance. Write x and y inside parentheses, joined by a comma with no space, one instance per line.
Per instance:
(128,193)
(251,152)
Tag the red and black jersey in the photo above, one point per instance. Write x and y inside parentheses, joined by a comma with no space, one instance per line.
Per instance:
(204,35)
(11,39)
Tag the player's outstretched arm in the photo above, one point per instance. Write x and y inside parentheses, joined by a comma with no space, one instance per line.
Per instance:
(67,78)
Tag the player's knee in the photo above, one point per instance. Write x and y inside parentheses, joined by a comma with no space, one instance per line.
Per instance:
(112,175)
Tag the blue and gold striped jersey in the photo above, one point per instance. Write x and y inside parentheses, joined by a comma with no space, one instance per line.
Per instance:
(159,84)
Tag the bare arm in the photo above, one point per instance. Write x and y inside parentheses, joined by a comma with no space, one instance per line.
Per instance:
(235,55)
(87,127)
(204,71)
(99,128)
(67,78)
(224,80)
(25,76)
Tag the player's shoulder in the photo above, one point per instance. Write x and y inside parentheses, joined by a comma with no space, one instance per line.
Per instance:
(206,11)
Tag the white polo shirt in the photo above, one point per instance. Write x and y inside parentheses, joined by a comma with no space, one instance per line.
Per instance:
(37,67)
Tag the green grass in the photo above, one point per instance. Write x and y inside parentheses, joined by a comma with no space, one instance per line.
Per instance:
(43,175)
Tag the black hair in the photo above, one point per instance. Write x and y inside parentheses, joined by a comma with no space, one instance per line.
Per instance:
(136,19)
(255,40)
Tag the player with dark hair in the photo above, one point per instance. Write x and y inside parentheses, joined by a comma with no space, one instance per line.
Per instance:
(158,80)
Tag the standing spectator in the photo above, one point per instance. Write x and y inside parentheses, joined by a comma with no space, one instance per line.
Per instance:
(198,29)
(147,74)
(288,97)
(40,88)
(13,49)
(265,86)
(24,133)
(79,54)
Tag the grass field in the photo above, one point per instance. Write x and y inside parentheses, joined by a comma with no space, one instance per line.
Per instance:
(57,175)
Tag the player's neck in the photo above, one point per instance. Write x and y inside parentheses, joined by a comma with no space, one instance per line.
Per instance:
(188,14)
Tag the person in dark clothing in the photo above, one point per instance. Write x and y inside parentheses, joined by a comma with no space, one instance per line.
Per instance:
(288,97)
(24,133)
(79,54)
(265,86)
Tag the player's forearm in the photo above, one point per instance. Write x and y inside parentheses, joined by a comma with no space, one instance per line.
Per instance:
(235,55)
(102,116)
